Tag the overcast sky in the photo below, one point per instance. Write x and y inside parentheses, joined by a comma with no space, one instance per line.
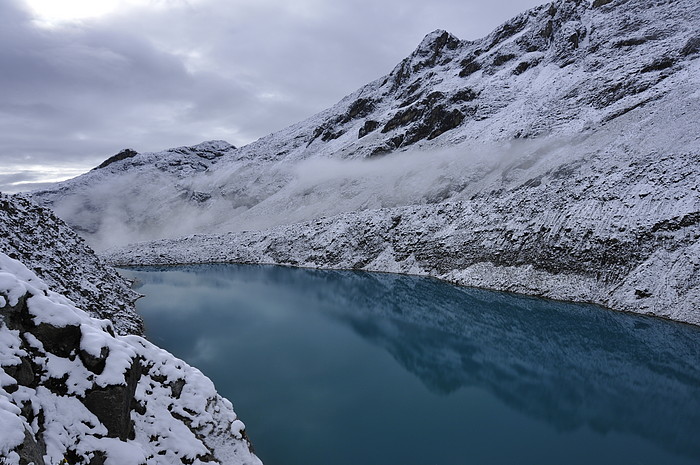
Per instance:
(83,79)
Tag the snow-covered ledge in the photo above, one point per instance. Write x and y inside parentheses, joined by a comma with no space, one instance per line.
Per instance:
(70,388)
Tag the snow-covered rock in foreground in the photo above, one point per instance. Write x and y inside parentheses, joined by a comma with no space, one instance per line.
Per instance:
(45,244)
(72,389)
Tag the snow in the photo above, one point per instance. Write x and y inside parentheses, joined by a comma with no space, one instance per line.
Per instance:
(11,427)
(169,428)
(62,259)
(119,453)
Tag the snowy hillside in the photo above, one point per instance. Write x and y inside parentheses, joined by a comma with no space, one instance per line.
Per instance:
(563,69)
(44,243)
(556,156)
(71,389)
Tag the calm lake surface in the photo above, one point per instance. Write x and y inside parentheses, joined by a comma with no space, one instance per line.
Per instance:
(339,367)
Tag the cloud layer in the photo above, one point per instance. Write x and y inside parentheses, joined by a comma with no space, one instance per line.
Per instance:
(177,72)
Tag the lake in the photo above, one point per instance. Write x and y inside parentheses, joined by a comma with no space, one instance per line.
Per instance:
(342,367)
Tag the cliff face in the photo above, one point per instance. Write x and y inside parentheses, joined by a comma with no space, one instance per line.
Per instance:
(555,156)
(71,389)
(44,243)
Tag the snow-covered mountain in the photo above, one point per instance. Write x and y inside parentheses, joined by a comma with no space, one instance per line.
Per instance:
(556,156)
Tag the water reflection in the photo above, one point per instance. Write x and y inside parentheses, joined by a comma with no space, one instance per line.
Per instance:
(571,366)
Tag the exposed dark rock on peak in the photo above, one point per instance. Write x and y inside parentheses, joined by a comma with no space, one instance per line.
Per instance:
(196,157)
(369,126)
(503,58)
(469,66)
(507,30)
(359,108)
(123,155)
(433,44)
(437,48)
(329,130)
(599,3)
(464,95)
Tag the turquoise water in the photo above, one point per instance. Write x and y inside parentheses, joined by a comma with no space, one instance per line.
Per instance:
(339,367)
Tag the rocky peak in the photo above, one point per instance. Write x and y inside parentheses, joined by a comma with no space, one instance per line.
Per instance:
(209,150)
(123,155)
(436,48)
(434,43)
(196,156)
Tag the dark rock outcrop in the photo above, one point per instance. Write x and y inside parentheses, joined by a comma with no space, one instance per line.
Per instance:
(113,404)
(123,155)
(369,126)
(30,451)
(58,340)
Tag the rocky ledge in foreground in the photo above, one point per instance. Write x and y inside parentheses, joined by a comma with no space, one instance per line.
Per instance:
(71,389)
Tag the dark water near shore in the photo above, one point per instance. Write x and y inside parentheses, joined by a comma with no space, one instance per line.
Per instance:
(338,367)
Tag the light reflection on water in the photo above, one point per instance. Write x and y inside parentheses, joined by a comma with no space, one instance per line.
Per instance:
(340,367)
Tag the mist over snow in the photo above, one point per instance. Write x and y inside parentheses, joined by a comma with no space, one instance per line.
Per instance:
(137,205)
(325,187)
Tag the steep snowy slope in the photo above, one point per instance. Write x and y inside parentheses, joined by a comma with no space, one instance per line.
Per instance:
(61,258)
(556,156)
(73,392)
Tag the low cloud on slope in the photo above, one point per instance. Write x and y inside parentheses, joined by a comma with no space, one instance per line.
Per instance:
(138,205)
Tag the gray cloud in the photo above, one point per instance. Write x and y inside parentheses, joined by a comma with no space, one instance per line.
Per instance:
(177,74)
